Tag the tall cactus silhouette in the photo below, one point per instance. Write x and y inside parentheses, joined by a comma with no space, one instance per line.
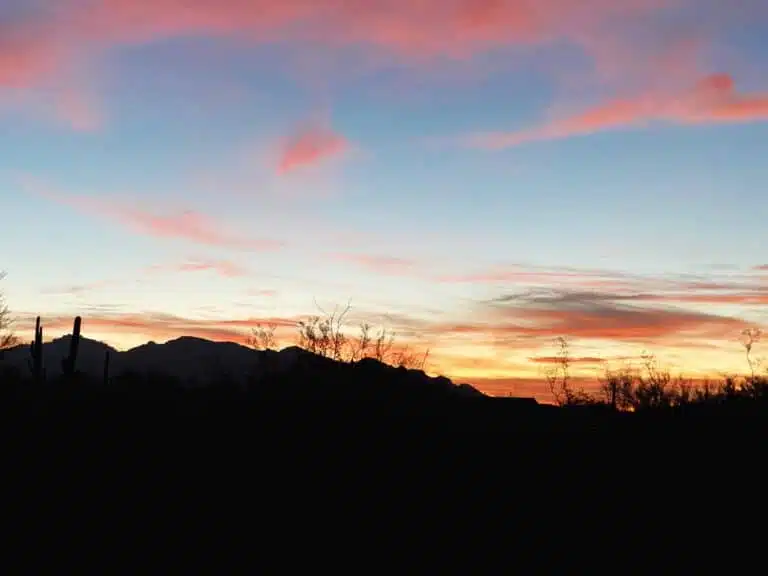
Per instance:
(36,353)
(68,363)
(106,367)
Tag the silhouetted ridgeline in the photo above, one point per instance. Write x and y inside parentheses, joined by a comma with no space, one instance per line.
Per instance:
(296,458)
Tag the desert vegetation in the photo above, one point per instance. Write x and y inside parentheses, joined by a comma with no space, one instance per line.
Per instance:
(652,386)
(327,335)
(350,436)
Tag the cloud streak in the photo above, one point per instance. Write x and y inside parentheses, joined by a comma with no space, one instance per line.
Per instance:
(224,268)
(732,289)
(388,265)
(574,360)
(713,100)
(591,316)
(187,225)
(159,327)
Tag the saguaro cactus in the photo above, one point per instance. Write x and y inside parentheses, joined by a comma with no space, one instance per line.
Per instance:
(68,363)
(106,367)
(36,353)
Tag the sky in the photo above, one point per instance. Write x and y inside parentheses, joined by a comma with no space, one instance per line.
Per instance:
(478,176)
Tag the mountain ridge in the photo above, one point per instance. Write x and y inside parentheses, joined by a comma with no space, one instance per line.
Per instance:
(197,361)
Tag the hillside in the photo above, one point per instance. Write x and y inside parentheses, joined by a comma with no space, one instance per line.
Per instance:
(199,362)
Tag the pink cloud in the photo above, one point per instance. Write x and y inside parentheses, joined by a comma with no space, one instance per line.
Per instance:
(184,225)
(426,26)
(713,99)
(28,53)
(381,264)
(224,268)
(414,29)
(514,274)
(188,225)
(267,293)
(310,146)
(48,40)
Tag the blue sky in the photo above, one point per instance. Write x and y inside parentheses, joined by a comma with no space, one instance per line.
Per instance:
(233,162)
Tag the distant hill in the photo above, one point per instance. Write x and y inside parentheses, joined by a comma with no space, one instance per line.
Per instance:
(198,362)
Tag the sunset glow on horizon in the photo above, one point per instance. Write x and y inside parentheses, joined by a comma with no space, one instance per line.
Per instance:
(478,176)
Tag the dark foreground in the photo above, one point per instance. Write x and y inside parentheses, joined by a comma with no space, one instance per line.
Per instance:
(316,475)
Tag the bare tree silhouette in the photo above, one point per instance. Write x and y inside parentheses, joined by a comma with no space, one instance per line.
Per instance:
(263,337)
(7,337)
(558,378)
(324,335)
(750,337)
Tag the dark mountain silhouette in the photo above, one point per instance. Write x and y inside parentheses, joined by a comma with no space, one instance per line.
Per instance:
(198,362)
(351,462)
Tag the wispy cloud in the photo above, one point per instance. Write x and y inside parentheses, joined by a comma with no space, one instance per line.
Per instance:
(78,289)
(267,293)
(160,327)
(595,316)
(573,360)
(388,265)
(713,99)
(532,275)
(621,286)
(186,225)
(225,268)
(537,304)
(309,146)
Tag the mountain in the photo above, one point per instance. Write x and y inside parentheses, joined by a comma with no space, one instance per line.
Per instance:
(197,362)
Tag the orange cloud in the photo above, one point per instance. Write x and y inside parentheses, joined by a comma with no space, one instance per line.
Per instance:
(600,305)
(524,387)
(576,360)
(712,100)
(310,146)
(599,322)
(746,298)
(160,327)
